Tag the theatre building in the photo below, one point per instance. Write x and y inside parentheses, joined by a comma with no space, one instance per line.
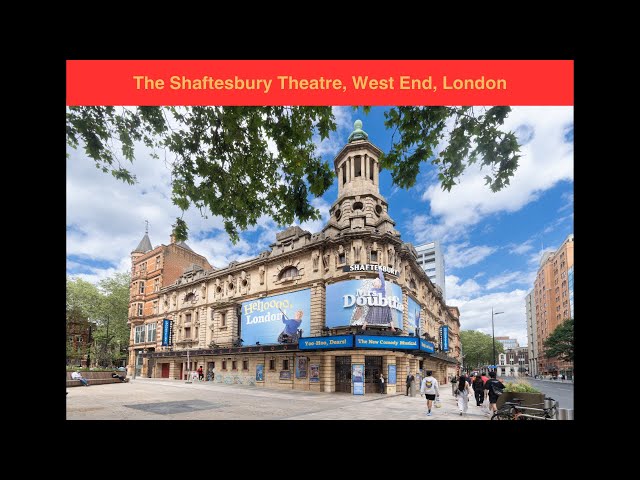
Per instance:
(327,311)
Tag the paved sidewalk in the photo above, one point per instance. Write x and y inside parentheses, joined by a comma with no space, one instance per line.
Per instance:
(160,399)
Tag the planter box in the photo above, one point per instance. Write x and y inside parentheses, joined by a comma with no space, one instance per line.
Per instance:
(535,400)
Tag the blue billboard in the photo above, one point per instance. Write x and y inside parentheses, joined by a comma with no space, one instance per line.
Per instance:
(372,301)
(166,332)
(371,341)
(427,346)
(276,319)
(413,315)
(445,338)
(319,343)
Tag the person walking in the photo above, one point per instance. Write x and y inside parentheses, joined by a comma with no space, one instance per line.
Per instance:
(478,390)
(494,388)
(382,383)
(410,380)
(200,373)
(429,388)
(462,395)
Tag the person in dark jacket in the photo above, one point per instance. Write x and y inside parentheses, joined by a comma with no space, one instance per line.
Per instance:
(491,385)
(410,380)
(478,390)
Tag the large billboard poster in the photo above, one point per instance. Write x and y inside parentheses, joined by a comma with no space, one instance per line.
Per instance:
(372,301)
(276,319)
(413,315)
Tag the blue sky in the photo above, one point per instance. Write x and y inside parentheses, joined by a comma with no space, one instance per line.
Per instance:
(492,241)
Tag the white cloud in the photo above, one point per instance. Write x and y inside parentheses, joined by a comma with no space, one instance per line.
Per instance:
(337,139)
(522,248)
(508,278)
(475,314)
(546,160)
(462,255)
(463,290)
(568,198)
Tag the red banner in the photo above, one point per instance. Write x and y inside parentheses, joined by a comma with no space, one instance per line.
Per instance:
(320,82)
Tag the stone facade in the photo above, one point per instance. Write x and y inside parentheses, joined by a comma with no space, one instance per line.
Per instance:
(204,304)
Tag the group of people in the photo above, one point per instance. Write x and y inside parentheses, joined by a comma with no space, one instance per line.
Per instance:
(482,386)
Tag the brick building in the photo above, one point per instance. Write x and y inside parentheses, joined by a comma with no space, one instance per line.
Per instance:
(152,269)
(313,309)
(552,299)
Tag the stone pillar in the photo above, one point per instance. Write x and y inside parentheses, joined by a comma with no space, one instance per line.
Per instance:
(365,167)
(375,173)
(328,374)
(390,359)
(174,369)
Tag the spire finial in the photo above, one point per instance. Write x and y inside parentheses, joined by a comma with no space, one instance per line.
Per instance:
(146,227)
(358,133)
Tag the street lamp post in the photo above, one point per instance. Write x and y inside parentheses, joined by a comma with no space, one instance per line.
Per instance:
(493,335)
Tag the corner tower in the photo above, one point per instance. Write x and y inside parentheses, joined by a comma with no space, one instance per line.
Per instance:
(360,206)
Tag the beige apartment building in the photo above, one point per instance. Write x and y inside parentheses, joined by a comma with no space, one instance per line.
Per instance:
(327,311)
(552,304)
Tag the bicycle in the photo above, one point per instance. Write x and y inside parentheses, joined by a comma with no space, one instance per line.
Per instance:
(515,411)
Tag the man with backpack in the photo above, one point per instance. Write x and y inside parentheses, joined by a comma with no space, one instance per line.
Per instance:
(478,390)
(495,388)
(430,390)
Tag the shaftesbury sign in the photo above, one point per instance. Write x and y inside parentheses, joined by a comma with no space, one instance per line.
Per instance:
(366,267)
(166,333)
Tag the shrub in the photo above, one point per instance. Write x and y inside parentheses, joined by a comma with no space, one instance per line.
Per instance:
(520,386)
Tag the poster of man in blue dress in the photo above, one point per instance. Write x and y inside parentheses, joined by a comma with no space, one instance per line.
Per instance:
(276,319)
(372,301)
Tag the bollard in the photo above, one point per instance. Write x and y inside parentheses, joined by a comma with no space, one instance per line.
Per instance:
(565,414)
(412,389)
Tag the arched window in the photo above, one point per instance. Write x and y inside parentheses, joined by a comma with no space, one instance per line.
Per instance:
(288,273)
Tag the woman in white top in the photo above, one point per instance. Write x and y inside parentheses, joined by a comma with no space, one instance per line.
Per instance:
(462,394)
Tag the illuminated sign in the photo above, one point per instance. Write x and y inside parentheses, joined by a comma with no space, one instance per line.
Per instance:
(394,343)
(320,343)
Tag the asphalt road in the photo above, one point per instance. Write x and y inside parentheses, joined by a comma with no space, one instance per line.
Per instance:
(562,392)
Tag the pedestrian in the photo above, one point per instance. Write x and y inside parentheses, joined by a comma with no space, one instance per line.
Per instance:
(382,384)
(200,373)
(430,390)
(494,388)
(462,395)
(410,380)
(478,390)
(122,378)
(76,376)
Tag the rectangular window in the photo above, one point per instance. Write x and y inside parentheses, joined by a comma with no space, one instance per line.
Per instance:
(187,332)
(285,364)
(357,167)
(342,258)
(156,285)
(344,174)
(155,307)
(234,365)
(374,256)
(245,364)
(223,319)
(151,332)
(272,364)
(187,318)
(141,287)
(139,334)
(140,307)
(224,364)
(371,169)
(158,262)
